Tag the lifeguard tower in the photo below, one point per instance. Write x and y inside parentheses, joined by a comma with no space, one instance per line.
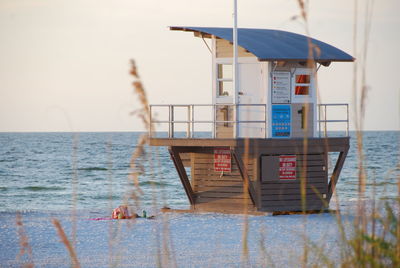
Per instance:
(268,144)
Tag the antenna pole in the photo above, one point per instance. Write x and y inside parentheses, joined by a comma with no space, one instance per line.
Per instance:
(235,70)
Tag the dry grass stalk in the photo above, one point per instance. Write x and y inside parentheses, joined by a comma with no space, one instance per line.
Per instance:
(168,257)
(144,114)
(67,243)
(25,247)
(245,246)
(165,254)
(398,223)
(111,240)
(303,6)
(75,143)
(114,234)
(360,104)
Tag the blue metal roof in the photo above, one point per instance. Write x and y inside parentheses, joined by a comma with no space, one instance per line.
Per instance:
(271,45)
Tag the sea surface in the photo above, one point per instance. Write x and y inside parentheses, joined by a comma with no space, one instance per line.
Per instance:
(89,171)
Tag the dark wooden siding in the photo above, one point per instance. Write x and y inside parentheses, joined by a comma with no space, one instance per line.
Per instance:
(216,189)
(282,195)
(185,159)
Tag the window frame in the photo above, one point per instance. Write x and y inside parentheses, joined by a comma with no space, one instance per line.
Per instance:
(221,80)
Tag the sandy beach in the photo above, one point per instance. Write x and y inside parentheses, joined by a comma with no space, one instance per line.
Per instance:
(173,240)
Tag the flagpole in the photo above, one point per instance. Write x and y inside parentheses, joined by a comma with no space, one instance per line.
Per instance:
(235,68)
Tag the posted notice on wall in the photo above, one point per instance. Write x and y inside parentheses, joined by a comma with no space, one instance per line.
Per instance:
(281,119)
(287,167)
(222,160)
(281,87)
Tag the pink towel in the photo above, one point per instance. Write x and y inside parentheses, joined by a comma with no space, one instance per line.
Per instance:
(101,219)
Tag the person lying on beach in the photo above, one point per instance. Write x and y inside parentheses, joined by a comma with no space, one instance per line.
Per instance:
(122,212)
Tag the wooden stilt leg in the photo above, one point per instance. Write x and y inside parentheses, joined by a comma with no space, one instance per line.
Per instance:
(182,174)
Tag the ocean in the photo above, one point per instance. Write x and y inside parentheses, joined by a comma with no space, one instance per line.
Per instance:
(89,171)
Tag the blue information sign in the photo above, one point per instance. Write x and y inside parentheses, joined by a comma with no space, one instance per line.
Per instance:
(281,118)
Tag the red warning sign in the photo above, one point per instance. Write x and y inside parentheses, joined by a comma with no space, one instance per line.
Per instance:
(287,167)
(222,160)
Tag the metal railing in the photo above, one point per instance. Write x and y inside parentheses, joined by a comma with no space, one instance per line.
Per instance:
(323,121)
(191,121)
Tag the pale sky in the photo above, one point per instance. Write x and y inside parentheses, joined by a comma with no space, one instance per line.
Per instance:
(64,63)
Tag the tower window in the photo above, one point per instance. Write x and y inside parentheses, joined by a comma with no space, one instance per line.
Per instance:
(224,80)
(302,84)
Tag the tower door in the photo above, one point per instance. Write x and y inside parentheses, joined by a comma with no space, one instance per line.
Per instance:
(251,91)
